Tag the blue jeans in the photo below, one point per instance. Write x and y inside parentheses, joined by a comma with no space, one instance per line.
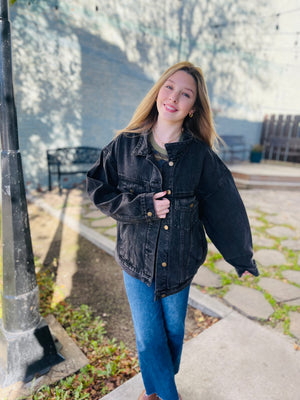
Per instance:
(159,331)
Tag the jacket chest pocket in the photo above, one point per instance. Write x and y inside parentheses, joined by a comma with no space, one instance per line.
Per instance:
(186,213)
(132,185)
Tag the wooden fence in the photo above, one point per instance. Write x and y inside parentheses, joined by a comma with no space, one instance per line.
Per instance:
(281,138)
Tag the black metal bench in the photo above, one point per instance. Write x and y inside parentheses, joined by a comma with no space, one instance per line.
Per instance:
(70,161)
(234,148)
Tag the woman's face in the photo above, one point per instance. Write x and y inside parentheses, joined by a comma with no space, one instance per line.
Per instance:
(176,97)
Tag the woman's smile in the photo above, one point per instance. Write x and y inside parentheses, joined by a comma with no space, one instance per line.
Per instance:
(176,98)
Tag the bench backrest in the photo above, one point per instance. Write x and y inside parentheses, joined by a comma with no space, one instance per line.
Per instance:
(233,140)
(73,155)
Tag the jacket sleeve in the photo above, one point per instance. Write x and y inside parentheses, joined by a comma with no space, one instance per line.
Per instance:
(224,215)
(102,187)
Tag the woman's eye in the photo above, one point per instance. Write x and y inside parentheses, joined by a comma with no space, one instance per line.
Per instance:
(168,86)
(186,95)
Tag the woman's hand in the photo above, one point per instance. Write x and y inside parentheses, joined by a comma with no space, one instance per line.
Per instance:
(161,205)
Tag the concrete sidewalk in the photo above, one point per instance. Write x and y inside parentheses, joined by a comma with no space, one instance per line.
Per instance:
(235,359)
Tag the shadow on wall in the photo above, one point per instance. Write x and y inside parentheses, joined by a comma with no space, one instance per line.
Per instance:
(79,74)
(111,89)
(71,88)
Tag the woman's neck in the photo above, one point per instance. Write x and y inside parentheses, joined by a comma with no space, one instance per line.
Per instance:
(166,133)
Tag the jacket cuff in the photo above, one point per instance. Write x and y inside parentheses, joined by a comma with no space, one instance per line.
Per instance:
(253,269)
(149,210)
(241,264)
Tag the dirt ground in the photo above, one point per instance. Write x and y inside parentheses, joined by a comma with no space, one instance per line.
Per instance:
(85,274)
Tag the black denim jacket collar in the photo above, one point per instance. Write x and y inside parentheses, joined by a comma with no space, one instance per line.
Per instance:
(175,150)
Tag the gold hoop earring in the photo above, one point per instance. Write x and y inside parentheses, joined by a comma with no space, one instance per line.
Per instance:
(191,114)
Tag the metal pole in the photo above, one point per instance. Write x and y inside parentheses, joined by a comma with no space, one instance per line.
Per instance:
(27,347)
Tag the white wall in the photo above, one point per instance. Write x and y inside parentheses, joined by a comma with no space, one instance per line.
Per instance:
(82,66)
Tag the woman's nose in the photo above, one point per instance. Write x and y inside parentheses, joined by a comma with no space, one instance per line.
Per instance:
(174,97)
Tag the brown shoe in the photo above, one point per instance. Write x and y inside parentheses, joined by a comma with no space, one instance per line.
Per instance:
(143,396)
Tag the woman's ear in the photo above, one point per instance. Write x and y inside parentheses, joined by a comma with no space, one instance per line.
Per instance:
(191,113)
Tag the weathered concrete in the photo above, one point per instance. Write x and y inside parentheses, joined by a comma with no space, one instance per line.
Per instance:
(282,292)
(291,244)
(234,359)
(283,218)
(281,232)
(295,324)
(111,231)
(103,222)
(93,214)
(267,257)
(263,241)
(249,301)
(295,302)
(224,266)
(212,248)
(205,277)
(256,223)
(207,304)
(292,276)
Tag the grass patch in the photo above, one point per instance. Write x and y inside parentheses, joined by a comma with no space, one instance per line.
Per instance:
(280,316)
(110,363)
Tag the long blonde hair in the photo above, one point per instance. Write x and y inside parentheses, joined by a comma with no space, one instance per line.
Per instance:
(201,124)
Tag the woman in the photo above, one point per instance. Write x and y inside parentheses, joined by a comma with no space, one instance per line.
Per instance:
(163,183)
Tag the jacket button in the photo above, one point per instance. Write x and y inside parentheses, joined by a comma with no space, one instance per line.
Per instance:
(166,227)
(164,264)
(149,213)
(163,295)
(169,191)
(192,205)
(171,163)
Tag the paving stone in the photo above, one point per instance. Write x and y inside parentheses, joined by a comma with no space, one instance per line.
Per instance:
(282,292)
(205,277)
(103,222)
(263,241)
(281,219)
(92,207)
(281,231)
(267,257)
(93,214)
(253,214)
(75,201)
(212,248)
(291,244)
(249,301)
(111,231)
(75,211)
(265,208)
(292,276)
(224,266)
(295,324)
(255,223)
(293,303)
(86,201)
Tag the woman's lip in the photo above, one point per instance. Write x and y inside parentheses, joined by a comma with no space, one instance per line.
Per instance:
(170,108)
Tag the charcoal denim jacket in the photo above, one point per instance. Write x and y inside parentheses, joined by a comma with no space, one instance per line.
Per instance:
(203,198)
